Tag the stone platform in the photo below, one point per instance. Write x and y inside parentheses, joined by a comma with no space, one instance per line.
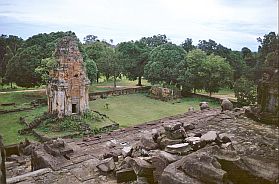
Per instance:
(249,139)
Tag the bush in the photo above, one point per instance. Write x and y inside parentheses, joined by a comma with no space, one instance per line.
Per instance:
(245,91)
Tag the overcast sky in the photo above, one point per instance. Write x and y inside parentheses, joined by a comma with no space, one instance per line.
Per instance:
(233,23)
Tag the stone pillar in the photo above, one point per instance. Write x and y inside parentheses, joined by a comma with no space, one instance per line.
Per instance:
(2,162)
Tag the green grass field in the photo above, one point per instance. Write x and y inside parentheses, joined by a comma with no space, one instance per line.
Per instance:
(9,124)
(103,84)
(7,87)
(128,110)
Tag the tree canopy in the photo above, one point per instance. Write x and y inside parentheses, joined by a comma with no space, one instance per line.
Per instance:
(162,64)
(133,56)
(29,57)
(202,71)
(187,45)
(155,40)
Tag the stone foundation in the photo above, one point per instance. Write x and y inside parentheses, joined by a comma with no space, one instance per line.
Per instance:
(218,147)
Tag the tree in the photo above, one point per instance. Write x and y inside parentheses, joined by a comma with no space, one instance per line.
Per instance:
(202,71)
(45,66)
(246,52)
(108,64)
(23,64)
(238,65)
(217,73)
(190,71)
(209,46)
(133,56)
(95,51)
(29,57)
(269,43)
(155,40)
(245,91)
(187,45)
(89,39)
(9,46)
(162,64)
(91,70)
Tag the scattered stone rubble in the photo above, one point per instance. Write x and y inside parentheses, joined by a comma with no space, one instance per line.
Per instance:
(226,105)
(204,105)
(164,94)
(197,147)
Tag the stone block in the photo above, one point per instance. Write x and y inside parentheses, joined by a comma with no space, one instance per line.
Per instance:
(106,165)
(209,136)
(125,175)
(180,149)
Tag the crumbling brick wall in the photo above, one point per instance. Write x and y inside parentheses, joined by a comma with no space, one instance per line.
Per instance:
(68,88)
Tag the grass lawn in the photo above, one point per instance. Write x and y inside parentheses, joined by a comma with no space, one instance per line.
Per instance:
(222,93)
(101,86)
(7,87)
(9,124)
(21,97)
(128,110)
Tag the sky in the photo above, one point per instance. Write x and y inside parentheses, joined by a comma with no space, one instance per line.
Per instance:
(233,23)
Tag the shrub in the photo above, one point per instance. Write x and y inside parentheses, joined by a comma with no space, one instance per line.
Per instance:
(245,91)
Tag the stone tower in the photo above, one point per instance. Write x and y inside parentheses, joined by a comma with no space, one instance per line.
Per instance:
(67,90)
(268,90)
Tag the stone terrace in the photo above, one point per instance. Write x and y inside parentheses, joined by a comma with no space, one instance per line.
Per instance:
(249,138)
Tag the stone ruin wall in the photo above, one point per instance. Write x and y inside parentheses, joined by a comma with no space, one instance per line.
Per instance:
(268,92)
(68,88)
(164,94)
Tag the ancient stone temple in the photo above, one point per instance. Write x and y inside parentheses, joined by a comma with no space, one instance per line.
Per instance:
(268,90)
(67,90)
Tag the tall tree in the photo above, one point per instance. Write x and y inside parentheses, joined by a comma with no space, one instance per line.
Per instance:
(29,57)
(155,40)
(9,46)
(209,46)
(45,67)
(89,39)
(162,64)
(91,70)
(217,73)
(108,64)
(246,52)
(134,56)
(191,76)
(23,65)
(187,45)
(269,43)
(238,65)
(94,52)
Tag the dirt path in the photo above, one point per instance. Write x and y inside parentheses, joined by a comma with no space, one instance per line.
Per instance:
(42,90)
(119,87)
(228,96)
(21,91)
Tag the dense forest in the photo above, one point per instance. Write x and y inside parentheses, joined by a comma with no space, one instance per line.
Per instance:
(206,66)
